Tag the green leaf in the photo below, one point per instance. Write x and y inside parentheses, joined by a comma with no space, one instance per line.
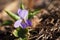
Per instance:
(22,6)
(31,14)
(19,32)
(8,22)
(12,15)
(35,12)
(15,32)
(22,38)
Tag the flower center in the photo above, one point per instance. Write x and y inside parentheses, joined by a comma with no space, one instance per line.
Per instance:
(23,21)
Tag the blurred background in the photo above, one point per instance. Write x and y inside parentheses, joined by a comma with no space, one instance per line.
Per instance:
(11,5)
(48,7)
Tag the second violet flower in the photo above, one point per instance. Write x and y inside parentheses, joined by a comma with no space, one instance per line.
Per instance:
(23,22)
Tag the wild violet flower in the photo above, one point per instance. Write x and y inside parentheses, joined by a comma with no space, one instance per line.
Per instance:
(23,22)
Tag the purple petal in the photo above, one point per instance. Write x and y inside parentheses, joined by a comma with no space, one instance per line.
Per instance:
(17,23)
(23,14)
(24,25)
(28,22)
(19,10)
